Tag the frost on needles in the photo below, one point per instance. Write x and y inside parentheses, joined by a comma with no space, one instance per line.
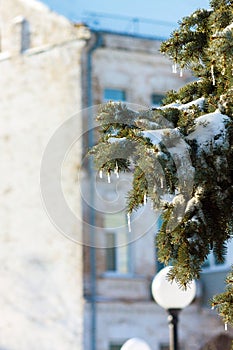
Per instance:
(188,143)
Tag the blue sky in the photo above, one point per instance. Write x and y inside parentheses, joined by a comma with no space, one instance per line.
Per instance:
(166,10)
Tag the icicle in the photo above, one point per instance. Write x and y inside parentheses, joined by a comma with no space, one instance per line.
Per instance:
(109,178)
(101,174)
(212,308)
(174,68)
(212,74)
(226,326)
(161,182)
(129,223)
(145,199)
(181,72)
(116,170)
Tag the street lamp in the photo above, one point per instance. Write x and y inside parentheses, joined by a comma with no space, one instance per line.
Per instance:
(135,344)
(173,298)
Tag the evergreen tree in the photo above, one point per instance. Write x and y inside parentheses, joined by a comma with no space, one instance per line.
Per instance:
(182,153)
(224,301)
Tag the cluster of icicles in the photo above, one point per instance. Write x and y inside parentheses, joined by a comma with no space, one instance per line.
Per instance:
(116,172)
(175,67)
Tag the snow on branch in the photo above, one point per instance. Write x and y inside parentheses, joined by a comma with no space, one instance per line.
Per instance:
(198,102)
(210,129)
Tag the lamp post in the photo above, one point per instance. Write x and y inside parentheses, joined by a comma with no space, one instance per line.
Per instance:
(135,344)
(173,298)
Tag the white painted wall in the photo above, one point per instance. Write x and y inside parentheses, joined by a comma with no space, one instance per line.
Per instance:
(41,271)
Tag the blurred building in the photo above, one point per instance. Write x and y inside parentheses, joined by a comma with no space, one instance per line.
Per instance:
(93,293)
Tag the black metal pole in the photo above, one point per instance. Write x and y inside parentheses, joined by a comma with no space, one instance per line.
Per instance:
(173,318)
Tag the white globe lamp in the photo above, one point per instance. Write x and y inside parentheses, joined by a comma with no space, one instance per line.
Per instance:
(135,344)
(173,298)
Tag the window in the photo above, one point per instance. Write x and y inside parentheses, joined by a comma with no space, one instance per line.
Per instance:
(156,99)
(115,346)
(167,347)
(25,36)
(164,347)
(159,265)
(114,95)
(117,257)
(111,253)
(21,31)
(212,261)
(118,251)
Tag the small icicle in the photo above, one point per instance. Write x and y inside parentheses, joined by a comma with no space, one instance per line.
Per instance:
(101,174)
(116,170)
(226,326)
(212,74)
(181,72)
(145,199)
(161,182)
(109,178)
(174,68)
(129,223)
(212,308)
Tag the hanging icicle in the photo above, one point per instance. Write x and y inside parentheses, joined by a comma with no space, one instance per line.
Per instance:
(181,72)
(212,308)
(161,182)
(145,199)
(174,68)
(109,178)
(116,170)
(226,326)
(212,74)
(101,174)
(129,222)
(224,65)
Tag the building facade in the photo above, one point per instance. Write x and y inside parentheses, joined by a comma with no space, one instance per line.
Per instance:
(89,287)
(41,271)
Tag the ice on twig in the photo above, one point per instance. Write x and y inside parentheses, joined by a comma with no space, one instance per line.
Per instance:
(129,222)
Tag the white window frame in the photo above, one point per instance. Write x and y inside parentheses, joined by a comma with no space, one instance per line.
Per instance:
(128,246)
